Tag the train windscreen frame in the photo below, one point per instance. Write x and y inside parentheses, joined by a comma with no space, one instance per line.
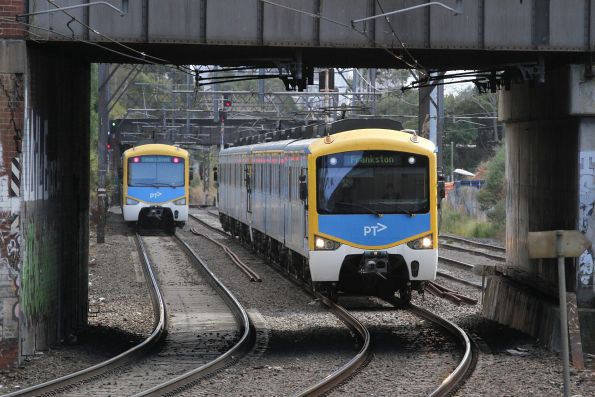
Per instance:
(156,171)
(373,181)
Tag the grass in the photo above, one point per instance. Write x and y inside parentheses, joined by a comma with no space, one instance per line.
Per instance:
(466,226)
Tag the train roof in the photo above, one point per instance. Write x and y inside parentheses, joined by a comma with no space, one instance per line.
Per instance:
(156,148)
(346,135)
(372,139)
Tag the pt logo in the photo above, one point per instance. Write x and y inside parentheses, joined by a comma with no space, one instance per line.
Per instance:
(375,229)
(155,195)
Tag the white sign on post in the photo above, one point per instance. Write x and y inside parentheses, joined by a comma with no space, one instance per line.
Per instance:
(559,244)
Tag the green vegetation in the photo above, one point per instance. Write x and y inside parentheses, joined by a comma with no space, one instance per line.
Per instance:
(491,199)
(463,225)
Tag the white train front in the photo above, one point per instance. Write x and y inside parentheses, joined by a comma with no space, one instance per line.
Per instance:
(155,182)
(354,212)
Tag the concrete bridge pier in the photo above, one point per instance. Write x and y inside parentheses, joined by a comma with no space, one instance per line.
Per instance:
(550,173)
(44,197)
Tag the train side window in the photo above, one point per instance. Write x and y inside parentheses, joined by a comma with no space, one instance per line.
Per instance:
(270,178)
(279,178)
(261,178)
(289,193)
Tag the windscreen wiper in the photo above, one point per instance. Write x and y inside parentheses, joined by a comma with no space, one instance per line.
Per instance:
(154,184)
(164,185)
(402,209)
(371,210)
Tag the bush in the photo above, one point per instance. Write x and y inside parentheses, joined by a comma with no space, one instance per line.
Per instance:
(466,226)
(493,191)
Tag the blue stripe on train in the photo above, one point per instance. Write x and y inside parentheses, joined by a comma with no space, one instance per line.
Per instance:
(156,194)
(372,230)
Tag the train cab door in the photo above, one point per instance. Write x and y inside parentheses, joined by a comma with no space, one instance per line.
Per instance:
(248,183)
(303,194)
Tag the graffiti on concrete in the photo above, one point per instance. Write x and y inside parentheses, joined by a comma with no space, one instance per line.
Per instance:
(586,216)
(37,302)
(11,126)
(10,249)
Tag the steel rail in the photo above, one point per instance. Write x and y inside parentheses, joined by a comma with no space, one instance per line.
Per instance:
(454,262)
(220,231)
(463,370)
(498,258)
(191,378)
(450,383)
(252,275)
(474,243)
(458,280)
(96,371)
(352,366)
(454,380)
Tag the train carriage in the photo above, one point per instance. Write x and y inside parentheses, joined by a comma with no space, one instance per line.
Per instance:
(352,212)
(155,186)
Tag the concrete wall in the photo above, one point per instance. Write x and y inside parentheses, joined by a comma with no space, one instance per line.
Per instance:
(44,192)
(12,71)
(55,199)
(545,161)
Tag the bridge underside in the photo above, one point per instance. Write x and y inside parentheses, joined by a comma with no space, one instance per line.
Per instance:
(451,34)
(261,56)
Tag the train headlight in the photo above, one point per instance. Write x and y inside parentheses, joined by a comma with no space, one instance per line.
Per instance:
(324,244)
(181,201)
(130,201)
(426,242)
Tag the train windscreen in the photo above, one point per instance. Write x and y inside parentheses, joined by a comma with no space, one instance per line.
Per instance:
(372,181)
(156,171)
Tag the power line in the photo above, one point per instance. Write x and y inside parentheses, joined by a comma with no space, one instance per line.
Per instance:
(143,54)
(351,27)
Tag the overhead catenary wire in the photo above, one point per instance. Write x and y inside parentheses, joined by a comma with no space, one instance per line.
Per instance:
(352,28)
(141,60)
(144,57)
(143,54)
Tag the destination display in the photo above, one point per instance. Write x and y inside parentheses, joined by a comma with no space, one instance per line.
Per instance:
(374,159)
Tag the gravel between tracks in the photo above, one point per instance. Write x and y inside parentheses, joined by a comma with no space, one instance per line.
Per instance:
(298,341)
(120,316)
(125,316)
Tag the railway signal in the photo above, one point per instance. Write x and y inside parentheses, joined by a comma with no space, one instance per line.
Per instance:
(227,102)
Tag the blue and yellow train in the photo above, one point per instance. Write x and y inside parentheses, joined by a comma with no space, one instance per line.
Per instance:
(354,212)
(155,186)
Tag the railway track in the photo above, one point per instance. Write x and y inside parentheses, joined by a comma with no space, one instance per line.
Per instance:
(458,258)
(139,371)
(64,383)
(350,369)
(491,251)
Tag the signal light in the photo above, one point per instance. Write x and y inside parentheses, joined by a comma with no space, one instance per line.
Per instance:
(108,146)
(226,101)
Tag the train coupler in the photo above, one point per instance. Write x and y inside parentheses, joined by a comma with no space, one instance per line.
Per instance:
(374,263)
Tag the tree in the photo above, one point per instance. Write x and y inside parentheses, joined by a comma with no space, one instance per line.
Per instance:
(395,103)
(471,124)
(492,196)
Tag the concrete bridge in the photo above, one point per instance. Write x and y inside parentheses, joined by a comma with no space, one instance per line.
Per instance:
(539,51)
